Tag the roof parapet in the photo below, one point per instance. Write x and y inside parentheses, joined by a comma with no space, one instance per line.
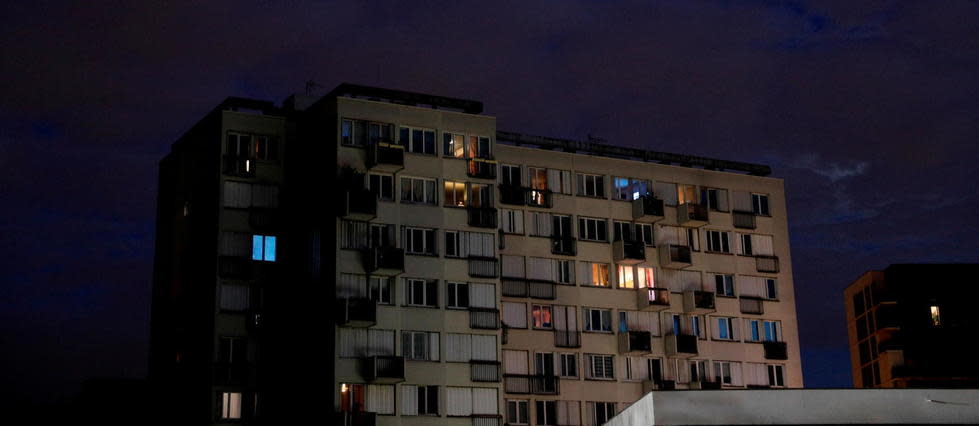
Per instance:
(407,98)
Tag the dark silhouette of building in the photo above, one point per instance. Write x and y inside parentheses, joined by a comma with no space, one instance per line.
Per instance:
(913,326)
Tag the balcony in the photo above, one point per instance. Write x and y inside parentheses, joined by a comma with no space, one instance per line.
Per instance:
(354,418)
(776,350)
(386,261)
(766,264)
(635,342)
(384,369)
(651,385)
(692,214)
(359,204)
(515,288)
(698,302)
(385,157)
(484,371)
(674,256)
(753,305)
(681,346)
(567,339)
(647,208)
(628,252)
(481,168)
(564,246)
(743,220)
(541,290)
(652,299)
(486,420)
(531,384)
(481,217)
(482,267)
(233,373)
(239,166)
(484,318)
(538,198)
(512,195)
(356,312)
(705,384)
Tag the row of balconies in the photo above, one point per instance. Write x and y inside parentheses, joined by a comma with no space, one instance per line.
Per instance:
(362,312)
(391,369)
(364,418)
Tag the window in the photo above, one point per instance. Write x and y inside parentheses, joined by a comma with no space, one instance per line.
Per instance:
(761,330)
(595,274)
(380,290)
(468,347)
(382,186)
(480,195)
(746,245)
(380,235)
(693,238)
(453,145)
(698,371)
(565,271)
(419,241)
(516,412)
(537,177)
(234,297)
(420,141)
(759,204)
(601,412)
(936,315)
(420,345)
(629,188)
(771,288)
(469,244)
(263,248)
(718,241)
(510,175)
(621,231)
(479,147)
(232,350)
(645,277)
(591,185)
(359,132)
(363,342)
(598,320)
(592,229)
(539,224)
(626,277)
(559,181)
(677,324)
(457,295)
(419,400)
(601,367)
(723,373)
(686,194)
(543,317)
(697,326)
(230,405)
(420,292)
(453,247)
(353,397)
(724,284)
(266,148)
(773,331)
(569,365)
(511,221)
(455,194)
(418,190)
(644,231)
(546,413)
(515,314)
(239,145)
(714,199)
(776,375)
(724,329)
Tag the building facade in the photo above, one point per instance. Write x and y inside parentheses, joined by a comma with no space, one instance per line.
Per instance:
(447,272)
(906,325)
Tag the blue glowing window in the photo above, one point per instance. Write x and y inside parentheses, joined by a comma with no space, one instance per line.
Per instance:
(263,248)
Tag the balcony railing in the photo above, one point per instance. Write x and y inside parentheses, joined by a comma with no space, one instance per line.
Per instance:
(484,371)
(565,246)
(681,345)
(743,220)
(482,267)
(512,195)
(385,156)
(356,312)
(674,256)
(651,385)
(692,214)
(705,384)
(384,369)
(486,420)
(480,168)
(359,204)
(531,384)
(698,302)
(567,339)
(484,318)
(647,208)
(633,342)
(776,350)
(239,166)
(354,418)
(233,373)
(628,252)
(752,305)
(766,264)
(538,197)
(541,290)
(515,288)
(384,260)
(482,217)
(652,299)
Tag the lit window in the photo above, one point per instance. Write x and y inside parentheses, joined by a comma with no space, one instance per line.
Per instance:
(626,277)
(936,317)
(231,405)
(263,248)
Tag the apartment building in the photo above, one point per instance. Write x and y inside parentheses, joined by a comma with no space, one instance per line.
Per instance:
(906,325)
(446,272)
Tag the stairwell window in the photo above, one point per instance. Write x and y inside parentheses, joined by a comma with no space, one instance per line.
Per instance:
(263,248)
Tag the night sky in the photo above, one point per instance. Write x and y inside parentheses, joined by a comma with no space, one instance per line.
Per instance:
(868,109)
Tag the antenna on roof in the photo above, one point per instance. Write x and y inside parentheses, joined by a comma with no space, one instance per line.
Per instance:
(310,84)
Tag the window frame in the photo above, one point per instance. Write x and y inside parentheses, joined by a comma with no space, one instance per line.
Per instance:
(409,284)
(600,229)
(453,295)
(596,186)
(409,144)
(602,320)
(408,241)
(761,204)
(411,191)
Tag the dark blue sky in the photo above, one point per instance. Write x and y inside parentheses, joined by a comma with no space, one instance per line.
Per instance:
(868,109)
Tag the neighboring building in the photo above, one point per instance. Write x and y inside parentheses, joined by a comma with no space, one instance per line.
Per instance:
(907,326)
(803,406)
(447,270)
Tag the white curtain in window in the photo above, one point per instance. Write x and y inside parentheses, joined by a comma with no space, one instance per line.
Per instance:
(515,314)
(755,374)
(485,401)
(484,347)
(513,266)
(584,273)
(762,245)
(539,224)
(643,321)
(352,342)
(380,342)
(458,401)
(565,318)
(568,413)
(751,286)
(380,399)
(409,400)
(665,191)
(482,295)
(458,347)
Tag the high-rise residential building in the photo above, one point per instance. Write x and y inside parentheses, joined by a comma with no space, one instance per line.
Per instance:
(386,257)
(908,324)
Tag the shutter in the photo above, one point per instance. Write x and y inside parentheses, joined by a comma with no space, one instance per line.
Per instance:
(762,245)
(665,191)
(409,400)
(751,286)
(482,295)
(458,401)
(518,222)
(433,346)
(683,371)
(457,347)
(690,280)
(515,314)
(484,347)
(540,269)
(741,201)
(485,401)
(669,278)
(554,180)
(380,399)
(584,273)
(513,266)
(234,297)
(515,362)
(237,194)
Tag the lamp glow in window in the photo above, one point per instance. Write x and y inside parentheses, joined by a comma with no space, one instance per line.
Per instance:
(936,317)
